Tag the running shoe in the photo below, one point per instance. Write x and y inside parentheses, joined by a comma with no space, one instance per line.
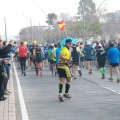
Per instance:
(75,77)
(55,73)
(72,75)
(103,77)
(118,80)
(24,74)
(80,73)
(18,67)
(2,98)
(67,95)
(111,79)
(61,98)
(8,91)
(26,67)
(90,71)
(41,74)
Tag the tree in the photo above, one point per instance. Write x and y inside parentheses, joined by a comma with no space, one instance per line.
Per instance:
(111,25)
(89,8)
(91,25)
(51,17)
(65,17)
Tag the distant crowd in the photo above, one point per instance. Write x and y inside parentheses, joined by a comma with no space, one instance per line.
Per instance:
(63,61)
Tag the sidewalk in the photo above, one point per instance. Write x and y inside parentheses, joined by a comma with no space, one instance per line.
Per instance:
(7,107)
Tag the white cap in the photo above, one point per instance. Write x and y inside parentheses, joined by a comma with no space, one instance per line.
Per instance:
(40,45)
(52,44)
(88,43)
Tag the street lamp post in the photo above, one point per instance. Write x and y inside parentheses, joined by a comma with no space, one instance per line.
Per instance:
(31,30)
(83,21)
(5,29)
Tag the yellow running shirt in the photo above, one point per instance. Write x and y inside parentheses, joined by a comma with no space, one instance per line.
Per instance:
(66,53)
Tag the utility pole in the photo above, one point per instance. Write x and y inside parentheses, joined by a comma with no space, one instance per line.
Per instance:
(40,31)
(5,29)
(90,21)
(31,34)
(83,22)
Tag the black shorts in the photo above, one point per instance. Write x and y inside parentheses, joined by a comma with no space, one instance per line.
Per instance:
(114,65)
(18,58)
(38,60)
(101,64)
(43,58)
(49,60)
(27,57)
(31,58)
(16,54)
(22,59)
(88,59)
(75,63)
(52,62)
(82,59)
(63,71)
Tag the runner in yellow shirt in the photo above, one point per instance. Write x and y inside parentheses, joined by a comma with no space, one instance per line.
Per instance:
(63,70)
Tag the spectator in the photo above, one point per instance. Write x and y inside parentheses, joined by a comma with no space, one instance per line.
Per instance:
(3,52)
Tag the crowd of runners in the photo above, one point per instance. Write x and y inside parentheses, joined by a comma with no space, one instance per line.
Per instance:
(66,61)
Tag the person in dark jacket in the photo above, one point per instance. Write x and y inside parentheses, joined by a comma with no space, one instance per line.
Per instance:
(113,55)
(75,53)
(101,58)
(89,56)
(3,61)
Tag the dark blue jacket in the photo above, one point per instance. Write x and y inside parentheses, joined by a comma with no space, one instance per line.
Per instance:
(88,52)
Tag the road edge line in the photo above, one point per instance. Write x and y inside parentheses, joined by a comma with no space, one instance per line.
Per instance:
(21,97)
(102,86)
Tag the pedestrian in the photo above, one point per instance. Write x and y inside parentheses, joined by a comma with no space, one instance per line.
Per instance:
(22,50)
(57,54)
(113,56)
(75,53)
(38,60)
(101,59)
(32,57)
(3,52)
(81,58)
(63,70)
(89,55)
(52,54)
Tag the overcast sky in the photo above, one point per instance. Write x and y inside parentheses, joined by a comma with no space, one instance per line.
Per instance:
(19,12)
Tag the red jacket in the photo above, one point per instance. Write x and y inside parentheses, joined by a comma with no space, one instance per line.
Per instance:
(22,51)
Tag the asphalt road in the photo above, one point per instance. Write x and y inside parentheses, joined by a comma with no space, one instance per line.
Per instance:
(89,101)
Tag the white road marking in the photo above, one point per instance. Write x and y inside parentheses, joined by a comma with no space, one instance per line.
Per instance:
(21,98)
(103,86)
(109,89)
